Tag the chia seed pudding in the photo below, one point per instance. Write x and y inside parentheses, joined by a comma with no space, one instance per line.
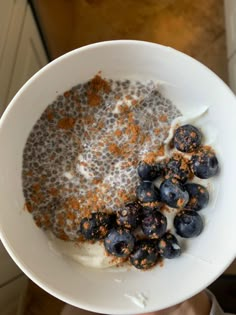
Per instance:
(82,154)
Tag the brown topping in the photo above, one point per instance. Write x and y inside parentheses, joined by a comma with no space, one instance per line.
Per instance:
(165,208)
(155,204)
(128,97)
(71,216)
(161,263)
(88,120)
(98,84)
(162,243)
(66,123)
(124,108)
(151,157)
(118,133)
(96,181)
(207,148)
(43,221)
(123,196)
(86,225)
(131,117)
(157,131)
(67,94)
(82,163)
(50,115)
(103,231)
(133,130)
(28,207)
(30,173)
(134,102)
(53,191)
(100,125)
(114,149)
(60,219)
(180,203)
(36,187)
(63,236)
(161,151)
(193,134)
(192,202)
(73,203)
(94,99)
(163,118)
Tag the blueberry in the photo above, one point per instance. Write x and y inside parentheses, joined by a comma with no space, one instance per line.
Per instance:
(149,172)
(173,193)
(119,242)
(96,226)
(169,246)
(187,138)
(204,164)
(198,196)
(145,254)
(149,209)
(178,168)
(129,216)
(188,223)
(154,224)
(147,192)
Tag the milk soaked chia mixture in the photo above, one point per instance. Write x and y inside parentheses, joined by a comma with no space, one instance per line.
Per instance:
(82,155)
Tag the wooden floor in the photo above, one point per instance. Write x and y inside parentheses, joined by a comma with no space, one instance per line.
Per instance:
(194,27)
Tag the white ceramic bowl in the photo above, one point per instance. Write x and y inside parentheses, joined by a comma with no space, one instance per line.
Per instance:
(190,85)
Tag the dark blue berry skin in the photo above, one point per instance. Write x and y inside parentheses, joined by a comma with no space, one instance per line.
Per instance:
(149,172)
(178,168)
(154,225)
(147,192)
(145,254)
(187,138)
(168,246)
(146,210)
(96,226)
(198,196)
(119,242)
(188,224)
(173,193)
(204,164)
(129,216)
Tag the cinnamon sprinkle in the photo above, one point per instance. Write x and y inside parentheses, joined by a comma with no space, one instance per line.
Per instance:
(114,149)
(73,203)
(50,115)
(163,118)
(118,133)
(151,157)
(66,123)
(98,84)
(28,207)
(94,99)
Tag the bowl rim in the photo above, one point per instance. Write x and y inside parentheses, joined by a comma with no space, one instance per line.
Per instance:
(30,273)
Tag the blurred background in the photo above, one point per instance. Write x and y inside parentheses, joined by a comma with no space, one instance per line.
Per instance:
(32,33)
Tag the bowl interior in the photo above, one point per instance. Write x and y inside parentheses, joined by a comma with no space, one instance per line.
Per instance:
(191,86)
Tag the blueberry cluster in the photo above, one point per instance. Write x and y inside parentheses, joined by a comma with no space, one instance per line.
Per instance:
(138,231)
